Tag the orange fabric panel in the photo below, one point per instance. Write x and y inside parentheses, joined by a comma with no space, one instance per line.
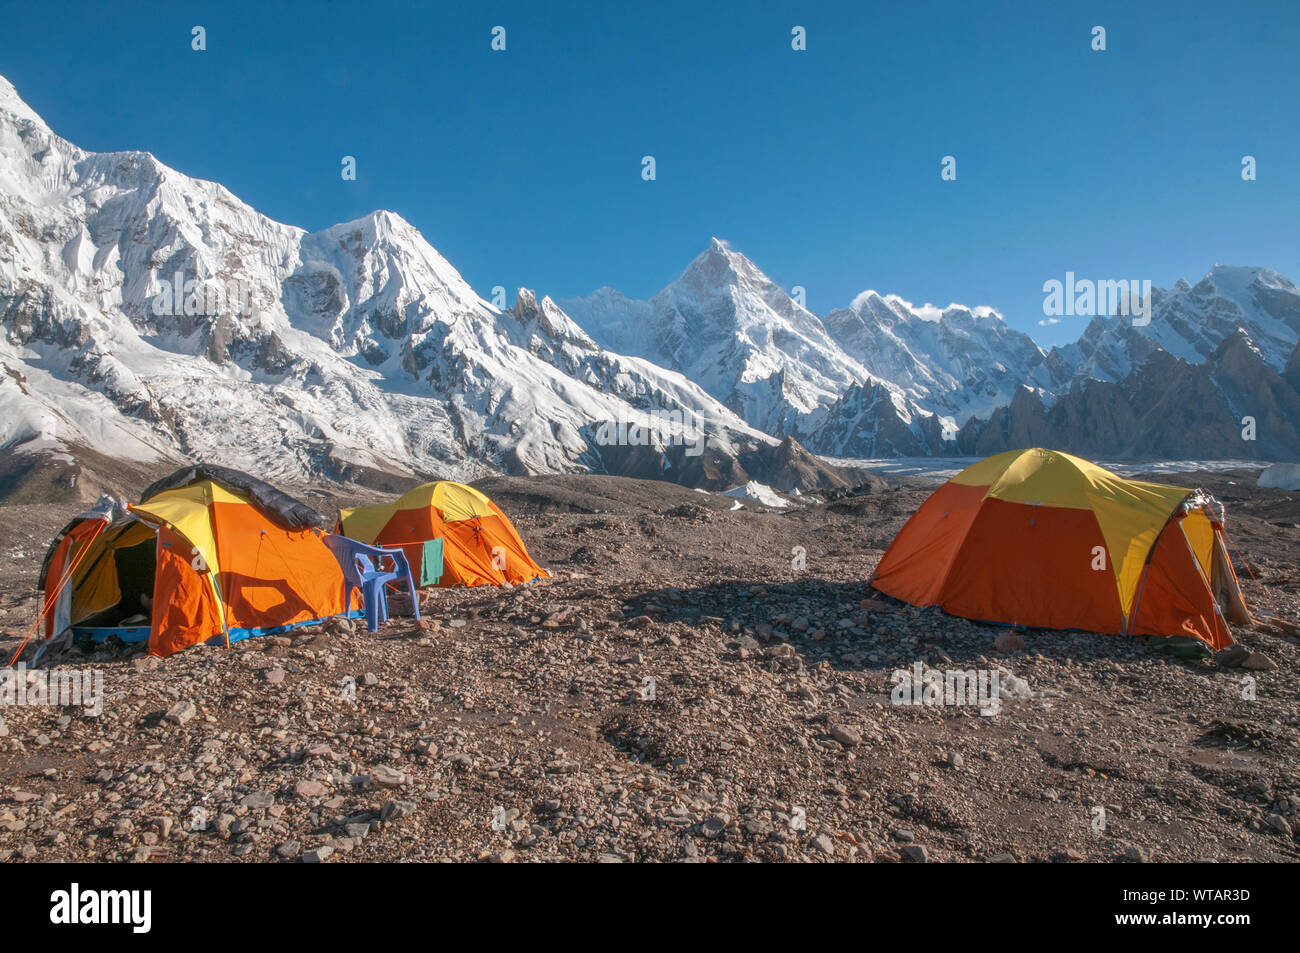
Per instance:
(270,576)
(470,553)
(58,563)
(467,556)
(185,611)
(468,547)
(500,531)
(1032,566)
(917,561)
(413,526)
(1175,599)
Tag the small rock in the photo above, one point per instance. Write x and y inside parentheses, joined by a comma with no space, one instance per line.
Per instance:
(394,811)
(714,826)
(846,736)
(307,789)
(1280,824)
(1232,656)
(1258,662)
(385,777)
(181,713)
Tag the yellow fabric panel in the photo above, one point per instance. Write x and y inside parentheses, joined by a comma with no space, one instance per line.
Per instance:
(1131,523)
(1200,535)
(97,588)
(1131,513)
(417,497)
(133,534)
(460,502)
(987,470)
(185,510)
(365,523)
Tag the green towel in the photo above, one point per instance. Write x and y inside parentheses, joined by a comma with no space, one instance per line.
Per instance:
(431,562)
(1179,646)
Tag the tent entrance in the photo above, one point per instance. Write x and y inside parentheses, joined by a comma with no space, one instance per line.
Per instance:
(134,569)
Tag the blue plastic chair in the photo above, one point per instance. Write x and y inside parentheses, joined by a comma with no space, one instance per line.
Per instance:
(362,567)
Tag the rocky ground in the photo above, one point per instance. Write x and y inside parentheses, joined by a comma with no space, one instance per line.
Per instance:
(684,688)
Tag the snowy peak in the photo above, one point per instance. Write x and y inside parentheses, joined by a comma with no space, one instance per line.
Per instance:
(543,327)
(378,229)
(718,270)
(377,278)
(719,273)
(1233,280)
(730,328)
(899,308)
(1189,322)
(956,361)
(13,107)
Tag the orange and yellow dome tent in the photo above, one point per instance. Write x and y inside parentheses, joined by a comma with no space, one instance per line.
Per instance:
(209,553)
(480,546)
(1043,539)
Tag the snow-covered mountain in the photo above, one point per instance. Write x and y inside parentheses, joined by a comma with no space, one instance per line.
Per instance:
(160,317)
(149,316)
(732,329)
(957,361)
(735,332)
(920,375)
(1214,356)
(1234,406)
(1187,321)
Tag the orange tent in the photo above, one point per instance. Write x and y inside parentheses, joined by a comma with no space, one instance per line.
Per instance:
(1044,539)
(479,544)
(209,552)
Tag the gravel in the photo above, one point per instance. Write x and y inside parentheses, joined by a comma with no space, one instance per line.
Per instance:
(676,692)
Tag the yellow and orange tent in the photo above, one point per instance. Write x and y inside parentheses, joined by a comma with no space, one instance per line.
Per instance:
(208,553)
(1040,538)
(480,546)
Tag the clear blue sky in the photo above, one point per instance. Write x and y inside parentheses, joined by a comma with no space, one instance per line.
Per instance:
(523,167)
